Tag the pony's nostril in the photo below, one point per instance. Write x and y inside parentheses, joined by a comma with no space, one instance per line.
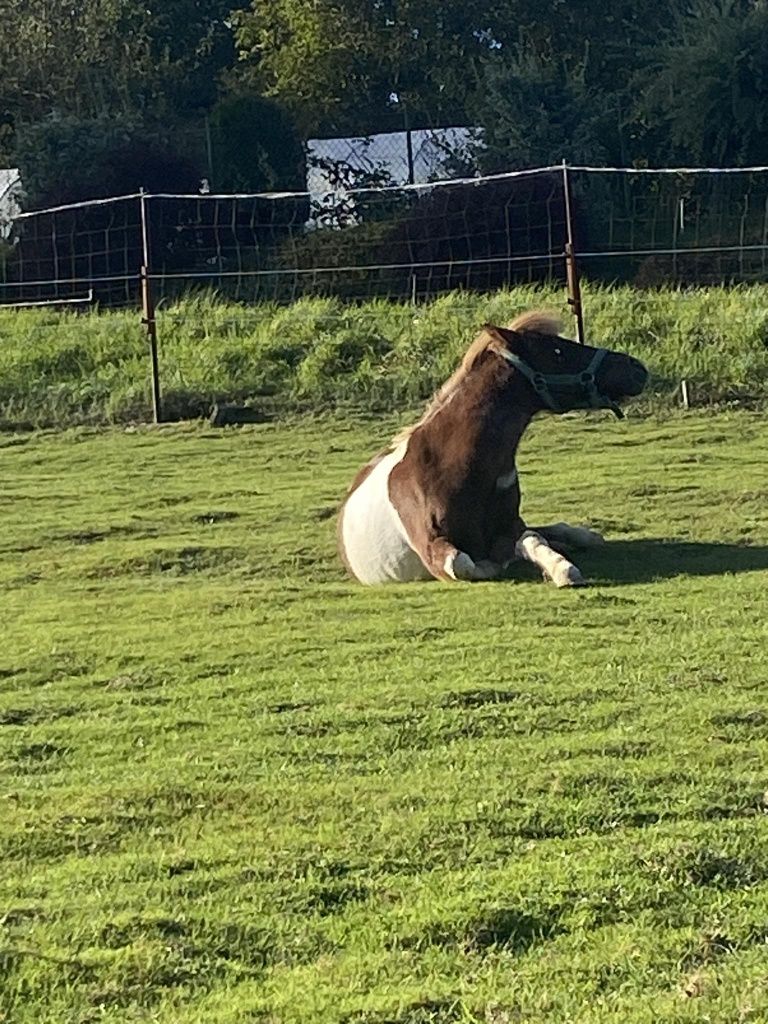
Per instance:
(637,369)
(639,375)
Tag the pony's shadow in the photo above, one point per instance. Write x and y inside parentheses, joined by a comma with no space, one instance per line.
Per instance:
(651,559)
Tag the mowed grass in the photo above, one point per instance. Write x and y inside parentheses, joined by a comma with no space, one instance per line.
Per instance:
(238,788)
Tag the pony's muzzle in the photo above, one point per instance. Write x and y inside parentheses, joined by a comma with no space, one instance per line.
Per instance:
(622,376)
(637,376)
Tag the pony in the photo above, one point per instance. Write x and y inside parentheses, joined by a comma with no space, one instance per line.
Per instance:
(442,500)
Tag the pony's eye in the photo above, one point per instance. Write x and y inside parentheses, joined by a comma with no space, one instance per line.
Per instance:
(558,351)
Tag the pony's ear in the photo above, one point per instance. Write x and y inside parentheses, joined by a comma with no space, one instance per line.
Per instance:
(501,335)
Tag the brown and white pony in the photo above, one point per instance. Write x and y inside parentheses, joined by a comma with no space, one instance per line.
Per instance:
(443,500)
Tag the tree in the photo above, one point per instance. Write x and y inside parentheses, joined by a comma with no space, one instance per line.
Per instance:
(255,147)
(703,96)
(561,81)
(68,159)
(338,64)
(567,68)
(537,109)
(113,57)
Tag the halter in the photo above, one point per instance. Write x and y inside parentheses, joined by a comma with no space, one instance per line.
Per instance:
(564,391)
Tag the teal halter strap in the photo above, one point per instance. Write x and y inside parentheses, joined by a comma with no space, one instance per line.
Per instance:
(563,391)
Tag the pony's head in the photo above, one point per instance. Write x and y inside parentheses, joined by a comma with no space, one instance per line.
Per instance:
(564,375)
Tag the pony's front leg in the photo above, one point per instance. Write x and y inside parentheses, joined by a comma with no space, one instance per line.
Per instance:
(504,550)
(534,548)
(446,562)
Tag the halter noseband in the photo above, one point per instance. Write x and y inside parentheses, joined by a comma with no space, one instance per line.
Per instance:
(577,390)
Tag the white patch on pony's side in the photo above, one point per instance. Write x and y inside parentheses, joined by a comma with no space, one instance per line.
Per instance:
(376,545)
(534,548)
(507,480)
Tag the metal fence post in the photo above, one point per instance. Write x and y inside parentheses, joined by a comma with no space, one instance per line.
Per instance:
(408,145)
(571,266)
(148,309)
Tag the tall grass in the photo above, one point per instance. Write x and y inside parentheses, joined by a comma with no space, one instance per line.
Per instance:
(59,368)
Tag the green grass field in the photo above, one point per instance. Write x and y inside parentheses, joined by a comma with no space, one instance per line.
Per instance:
(238,788)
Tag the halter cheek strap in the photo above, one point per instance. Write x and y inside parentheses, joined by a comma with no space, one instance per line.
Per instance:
(563,391)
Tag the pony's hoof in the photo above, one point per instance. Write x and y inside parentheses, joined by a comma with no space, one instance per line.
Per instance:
(486,570)
(569,577)
(462,567)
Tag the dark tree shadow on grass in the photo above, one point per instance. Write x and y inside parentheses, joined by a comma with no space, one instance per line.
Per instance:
(645,561)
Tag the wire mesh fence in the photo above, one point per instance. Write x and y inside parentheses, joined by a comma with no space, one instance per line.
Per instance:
(398,241)
(69,253)
(405,242)
(394,242)
(655,227)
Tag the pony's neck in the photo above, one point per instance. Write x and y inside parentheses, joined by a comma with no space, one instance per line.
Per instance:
(506,421)
(505,435)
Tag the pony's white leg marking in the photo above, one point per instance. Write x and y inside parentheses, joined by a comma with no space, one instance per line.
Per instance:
(460,566)
(535,549)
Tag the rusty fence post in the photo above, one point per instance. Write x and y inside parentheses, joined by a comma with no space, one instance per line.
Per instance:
(571,266)
(148,309)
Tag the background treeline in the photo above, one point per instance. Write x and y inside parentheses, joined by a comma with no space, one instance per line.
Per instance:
(99,97)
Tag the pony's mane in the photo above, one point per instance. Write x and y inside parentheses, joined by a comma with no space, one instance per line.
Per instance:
(534,322)
(537,321)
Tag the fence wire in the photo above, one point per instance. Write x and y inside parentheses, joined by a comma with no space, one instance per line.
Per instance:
(402,242)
